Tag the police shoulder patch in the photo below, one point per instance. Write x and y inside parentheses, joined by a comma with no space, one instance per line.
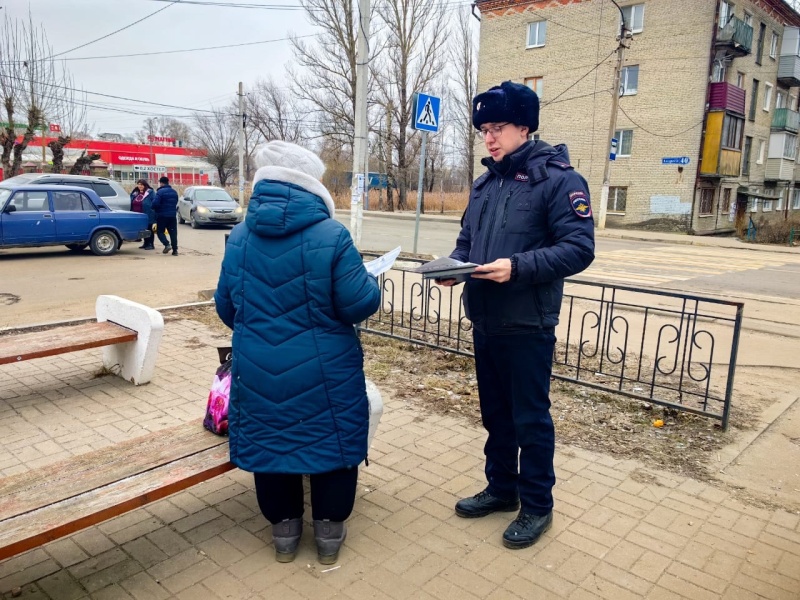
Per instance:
(580,204)
(521,177)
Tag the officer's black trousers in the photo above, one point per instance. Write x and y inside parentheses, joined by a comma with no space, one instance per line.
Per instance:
(514,386)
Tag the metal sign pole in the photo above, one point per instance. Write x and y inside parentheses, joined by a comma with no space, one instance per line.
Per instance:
(419,185)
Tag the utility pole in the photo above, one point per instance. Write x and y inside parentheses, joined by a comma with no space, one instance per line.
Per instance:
(361,133)
(241,144)
(625,34)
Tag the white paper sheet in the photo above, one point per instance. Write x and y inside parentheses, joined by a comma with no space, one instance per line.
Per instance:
(382,263)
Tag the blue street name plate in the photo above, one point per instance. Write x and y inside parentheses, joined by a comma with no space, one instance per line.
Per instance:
(675,160)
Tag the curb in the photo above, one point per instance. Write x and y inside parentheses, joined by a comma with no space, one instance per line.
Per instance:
(619,234)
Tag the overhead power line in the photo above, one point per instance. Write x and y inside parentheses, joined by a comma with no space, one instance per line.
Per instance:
(108,35)
(581,78)
(659,134)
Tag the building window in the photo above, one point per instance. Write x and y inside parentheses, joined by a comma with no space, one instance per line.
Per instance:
(725,12)
(719,72)
(732,129)
(537,33)
(536,84)
(796,200)
(752,205)
(767,206)
(748,19)
(740,80)
(762,32)
(767,96)
(779,202)
(761,146)
(706,201)
(617,199)
(789,146)
(725,206)
(773,46)
(780,99)
(625,139)
(748,149)
(753,101)
(629,80)
(634,17)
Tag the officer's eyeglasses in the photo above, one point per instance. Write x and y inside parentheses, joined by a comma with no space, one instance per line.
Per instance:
(495,130)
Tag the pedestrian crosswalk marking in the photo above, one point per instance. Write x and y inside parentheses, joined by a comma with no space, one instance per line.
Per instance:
(663,264)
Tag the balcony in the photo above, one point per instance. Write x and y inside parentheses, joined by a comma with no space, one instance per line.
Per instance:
(779,169)
(726,96)
(718,161)
(786,120)
(789,70)
(736,36)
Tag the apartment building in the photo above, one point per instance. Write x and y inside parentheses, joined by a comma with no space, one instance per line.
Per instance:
(707,125)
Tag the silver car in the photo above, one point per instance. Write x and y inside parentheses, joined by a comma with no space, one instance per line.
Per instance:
(207,205)
(112,193)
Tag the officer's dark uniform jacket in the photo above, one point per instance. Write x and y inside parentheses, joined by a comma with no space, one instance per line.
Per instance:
(534,208)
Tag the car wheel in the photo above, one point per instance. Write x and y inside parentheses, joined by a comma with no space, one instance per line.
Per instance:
(193,222)
(104,243)
(77,247)
(181,220)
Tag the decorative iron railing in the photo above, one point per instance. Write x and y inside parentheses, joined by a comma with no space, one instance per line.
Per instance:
(676,350)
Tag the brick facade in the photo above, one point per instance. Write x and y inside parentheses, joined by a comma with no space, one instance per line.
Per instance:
(674,52)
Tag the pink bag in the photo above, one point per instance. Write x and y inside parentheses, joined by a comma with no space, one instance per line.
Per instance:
(219,397)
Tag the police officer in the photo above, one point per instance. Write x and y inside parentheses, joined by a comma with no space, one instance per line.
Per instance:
(529,225)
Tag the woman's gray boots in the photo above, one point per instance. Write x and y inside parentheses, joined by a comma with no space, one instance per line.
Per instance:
(286,537)
(329,536)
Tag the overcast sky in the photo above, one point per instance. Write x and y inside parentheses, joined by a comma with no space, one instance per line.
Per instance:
(192,79)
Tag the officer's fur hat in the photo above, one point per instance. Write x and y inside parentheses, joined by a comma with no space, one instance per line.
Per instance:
(509,102)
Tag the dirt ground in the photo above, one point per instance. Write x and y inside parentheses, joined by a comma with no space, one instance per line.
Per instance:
(444,383)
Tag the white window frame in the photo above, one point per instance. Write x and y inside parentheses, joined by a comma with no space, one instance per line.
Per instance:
(767,96)
(753,204)
(790,142)
(621,134)
(623,81)
(762,145)
(632,12)
(780,99)
(541,34)
(796,199)
(613,197)
(766,206)
(740,77)
(779,201)
(773,46)
(725,12)
(720,71)
(748,19)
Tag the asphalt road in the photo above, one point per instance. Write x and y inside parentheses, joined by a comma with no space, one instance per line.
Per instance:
(49,284)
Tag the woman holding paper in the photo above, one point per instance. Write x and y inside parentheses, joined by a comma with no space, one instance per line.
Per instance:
(292,286)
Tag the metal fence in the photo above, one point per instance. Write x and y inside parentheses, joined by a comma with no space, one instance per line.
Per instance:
(672,349)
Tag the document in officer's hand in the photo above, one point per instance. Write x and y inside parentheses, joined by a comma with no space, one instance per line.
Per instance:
(446,268)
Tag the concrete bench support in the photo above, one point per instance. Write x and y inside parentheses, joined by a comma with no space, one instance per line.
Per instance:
(135,361)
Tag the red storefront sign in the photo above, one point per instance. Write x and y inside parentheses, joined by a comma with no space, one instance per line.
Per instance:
(160,138)
(55,128)
(130,158)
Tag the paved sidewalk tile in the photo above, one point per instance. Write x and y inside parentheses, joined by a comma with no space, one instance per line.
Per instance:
(613,536)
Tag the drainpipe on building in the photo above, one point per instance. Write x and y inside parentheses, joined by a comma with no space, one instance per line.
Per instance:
(712,53)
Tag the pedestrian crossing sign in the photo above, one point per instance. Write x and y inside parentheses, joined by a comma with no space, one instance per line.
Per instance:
(426,113)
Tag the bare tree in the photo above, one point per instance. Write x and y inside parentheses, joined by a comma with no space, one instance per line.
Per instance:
(218,134)
(30,83)
(327,79)
(83,162)
(69,112)
(463,58)
(415,36)
(168,127)
(275,113)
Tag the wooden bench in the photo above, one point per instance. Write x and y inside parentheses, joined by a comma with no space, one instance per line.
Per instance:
(129,334)
(37,344)
(51,502)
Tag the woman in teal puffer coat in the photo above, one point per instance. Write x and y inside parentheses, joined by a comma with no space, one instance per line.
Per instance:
(292,287)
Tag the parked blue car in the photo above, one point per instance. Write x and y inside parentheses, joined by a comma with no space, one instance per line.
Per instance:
(52,215)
